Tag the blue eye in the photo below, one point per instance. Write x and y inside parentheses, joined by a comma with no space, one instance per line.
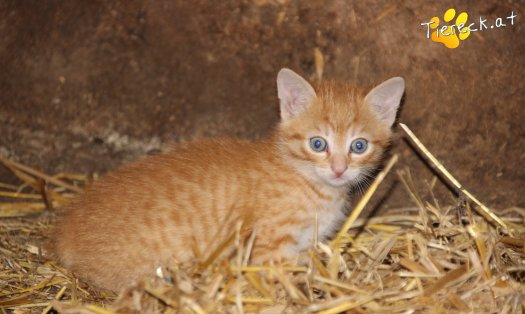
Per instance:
(359,146)
(318,144)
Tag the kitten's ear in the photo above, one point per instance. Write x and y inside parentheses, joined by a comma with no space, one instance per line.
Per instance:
(384,99)
(295,93)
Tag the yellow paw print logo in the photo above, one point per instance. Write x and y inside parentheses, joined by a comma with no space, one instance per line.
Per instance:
(450,35)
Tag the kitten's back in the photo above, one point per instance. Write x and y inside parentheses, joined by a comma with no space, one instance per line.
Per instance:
(145,213)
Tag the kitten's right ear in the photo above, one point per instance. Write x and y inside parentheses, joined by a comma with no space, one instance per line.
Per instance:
(385,98)
(295,93)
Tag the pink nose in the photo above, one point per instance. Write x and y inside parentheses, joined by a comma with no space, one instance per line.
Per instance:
(339,170)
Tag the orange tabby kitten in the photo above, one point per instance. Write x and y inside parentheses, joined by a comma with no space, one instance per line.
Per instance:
(150,212)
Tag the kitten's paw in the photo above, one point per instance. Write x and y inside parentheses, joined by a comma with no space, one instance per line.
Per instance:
(450,35)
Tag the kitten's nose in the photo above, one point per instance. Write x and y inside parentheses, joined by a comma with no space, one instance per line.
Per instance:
(339,169)
(338,164)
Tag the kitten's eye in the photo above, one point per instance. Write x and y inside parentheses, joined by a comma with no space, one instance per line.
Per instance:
(359,146)
(318,144)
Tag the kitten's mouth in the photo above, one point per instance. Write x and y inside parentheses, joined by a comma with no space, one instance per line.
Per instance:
(337,181)
(332,179)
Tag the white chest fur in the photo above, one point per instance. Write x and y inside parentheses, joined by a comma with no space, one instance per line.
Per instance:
(328,216)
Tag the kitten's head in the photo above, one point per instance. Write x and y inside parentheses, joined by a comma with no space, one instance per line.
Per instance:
(335,133)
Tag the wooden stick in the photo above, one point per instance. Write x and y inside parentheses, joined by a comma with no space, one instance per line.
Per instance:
(482,209)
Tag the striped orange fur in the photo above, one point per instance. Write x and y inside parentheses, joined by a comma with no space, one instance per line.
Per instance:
(150,212)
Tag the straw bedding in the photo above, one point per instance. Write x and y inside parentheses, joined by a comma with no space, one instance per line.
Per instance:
(424,258)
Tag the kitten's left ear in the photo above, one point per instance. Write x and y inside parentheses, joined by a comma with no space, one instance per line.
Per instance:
(295,93)
(384,99)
